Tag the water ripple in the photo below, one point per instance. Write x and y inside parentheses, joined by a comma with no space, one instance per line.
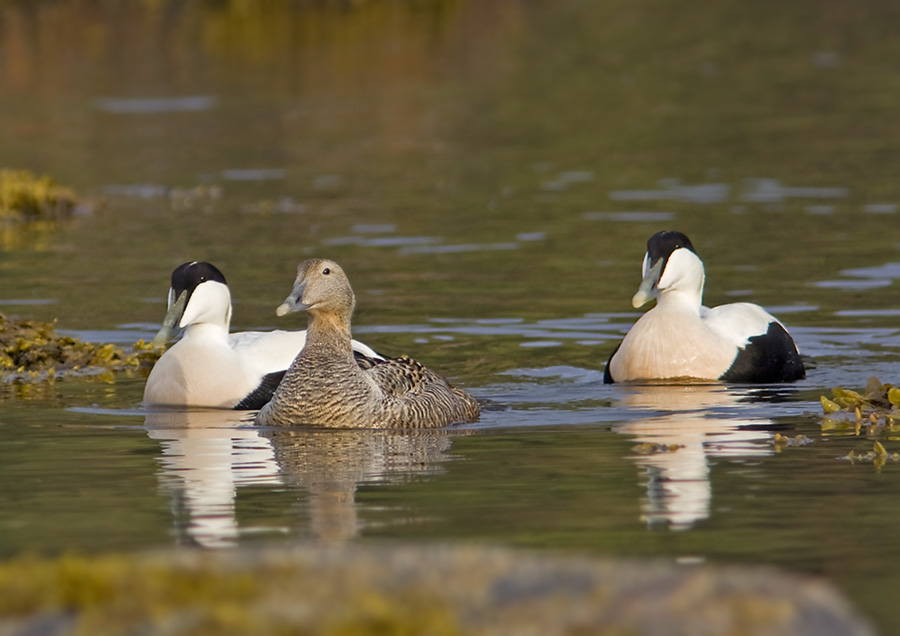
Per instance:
(153,105)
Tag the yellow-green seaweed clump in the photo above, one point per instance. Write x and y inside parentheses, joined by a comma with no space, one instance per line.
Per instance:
(780,441)
(25,197)
(880,401)
(874,413)
(32,351)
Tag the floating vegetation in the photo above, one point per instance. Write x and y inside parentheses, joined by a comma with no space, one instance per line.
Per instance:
(877,456)
(32,351)
(878,397)
(874,413)
(283,205)
(648,448)
(27,198)
(780,441)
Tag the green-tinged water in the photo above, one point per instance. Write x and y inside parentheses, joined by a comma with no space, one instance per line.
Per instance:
(487,173)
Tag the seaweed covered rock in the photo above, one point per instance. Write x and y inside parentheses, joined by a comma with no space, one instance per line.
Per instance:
(25,197)
(32,351)
(377,590)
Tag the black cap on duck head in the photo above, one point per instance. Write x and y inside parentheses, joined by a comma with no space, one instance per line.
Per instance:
(187,276)
(660,247)
(662,244)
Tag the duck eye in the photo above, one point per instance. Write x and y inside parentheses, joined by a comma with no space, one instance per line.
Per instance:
(326,271)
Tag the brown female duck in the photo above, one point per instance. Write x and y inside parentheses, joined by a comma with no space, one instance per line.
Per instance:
(326,385)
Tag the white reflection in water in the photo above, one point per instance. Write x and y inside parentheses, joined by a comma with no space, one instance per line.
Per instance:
(254,174)
(137,190)
(880,208)
(208,454)
(387,241)
(154,105)
(639,217)
(888,270)
(765,191)
(565,179)
(864,277)
(851,284)
(674,190)
(773,191)
(462,247)
(27,301)
(374,228)
(685,426)
(424,244)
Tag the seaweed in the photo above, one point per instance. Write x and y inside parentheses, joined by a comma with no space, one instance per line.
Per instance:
(27,198)
(32,351)
(874,414)
(876,410)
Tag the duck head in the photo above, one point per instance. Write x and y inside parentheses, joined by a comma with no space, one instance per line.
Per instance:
(671,264)
(198,294)
(321,287)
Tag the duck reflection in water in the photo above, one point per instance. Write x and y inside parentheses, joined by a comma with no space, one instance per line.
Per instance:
(207,454)
(686,426)
(331,464)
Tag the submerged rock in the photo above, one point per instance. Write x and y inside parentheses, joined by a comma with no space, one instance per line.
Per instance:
(32,351)
(444,591)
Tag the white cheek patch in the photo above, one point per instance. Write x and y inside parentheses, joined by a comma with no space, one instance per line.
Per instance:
(209,302)
(682,265)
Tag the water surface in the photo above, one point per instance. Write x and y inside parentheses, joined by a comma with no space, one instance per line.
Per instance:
(488,175)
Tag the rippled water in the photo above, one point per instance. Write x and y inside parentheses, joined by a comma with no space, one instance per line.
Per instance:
(490,199)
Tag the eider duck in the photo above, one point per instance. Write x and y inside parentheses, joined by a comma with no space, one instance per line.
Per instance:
(209,367)
(326,387)
(680,338)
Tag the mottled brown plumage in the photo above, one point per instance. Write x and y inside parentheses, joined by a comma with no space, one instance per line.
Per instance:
(326,386)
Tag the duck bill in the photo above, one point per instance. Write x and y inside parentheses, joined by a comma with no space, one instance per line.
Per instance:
(173,316)
(649,286)
(293,302)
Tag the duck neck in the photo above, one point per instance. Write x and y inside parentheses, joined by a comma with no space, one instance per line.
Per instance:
(329,334)
(206,330)
(681,283)
(681,300)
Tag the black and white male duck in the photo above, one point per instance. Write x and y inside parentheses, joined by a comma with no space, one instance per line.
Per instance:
(325,386)
(209,367)
(681,339)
